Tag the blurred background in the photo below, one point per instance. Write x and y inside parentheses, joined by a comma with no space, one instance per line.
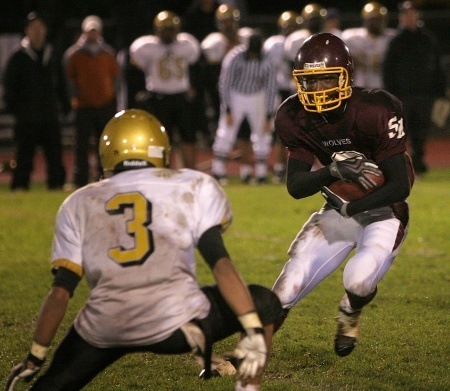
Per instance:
(125,20)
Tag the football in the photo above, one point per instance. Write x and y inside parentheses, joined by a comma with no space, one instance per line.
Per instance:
(351,191)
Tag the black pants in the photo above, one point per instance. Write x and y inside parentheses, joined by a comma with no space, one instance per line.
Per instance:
(27,137)
(174,111)
(89,122)
(417,114)
(76,362)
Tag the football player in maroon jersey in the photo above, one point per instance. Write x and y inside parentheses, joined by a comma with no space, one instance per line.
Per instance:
(352,132)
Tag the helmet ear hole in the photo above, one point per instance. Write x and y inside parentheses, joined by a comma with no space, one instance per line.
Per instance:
(133,139)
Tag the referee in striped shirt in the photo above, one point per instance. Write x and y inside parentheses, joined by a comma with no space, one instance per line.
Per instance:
(247,87)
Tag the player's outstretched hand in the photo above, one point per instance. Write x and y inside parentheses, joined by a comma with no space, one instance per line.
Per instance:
(251,353)
(356,169)
(335,201)
(26,370)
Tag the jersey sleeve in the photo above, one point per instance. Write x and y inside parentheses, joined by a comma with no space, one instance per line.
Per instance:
(192,47)
(214,47)
(66,246)
(138,51)
(383,125)
(214,208)
(293,42)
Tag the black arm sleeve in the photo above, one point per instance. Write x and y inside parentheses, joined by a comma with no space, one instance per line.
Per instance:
(395,189)
(302,182)
(67,279)
(211,246)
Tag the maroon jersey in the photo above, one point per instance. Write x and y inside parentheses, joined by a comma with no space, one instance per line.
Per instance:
(372,124)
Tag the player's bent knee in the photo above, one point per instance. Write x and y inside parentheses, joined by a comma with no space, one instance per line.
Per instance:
(267,304)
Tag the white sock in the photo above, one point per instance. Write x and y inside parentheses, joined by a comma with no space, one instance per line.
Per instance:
(247,387)
(245,170)
(261,169)
(218,167)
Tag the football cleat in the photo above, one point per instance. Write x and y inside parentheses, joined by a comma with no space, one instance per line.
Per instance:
(347,334)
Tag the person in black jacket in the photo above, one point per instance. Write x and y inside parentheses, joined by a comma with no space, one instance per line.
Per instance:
(34,90)
(413,72)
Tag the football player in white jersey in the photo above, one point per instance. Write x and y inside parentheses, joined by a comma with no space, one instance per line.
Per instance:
(165,59)
(133,235)
(313,19)
(288,22)
(368,45)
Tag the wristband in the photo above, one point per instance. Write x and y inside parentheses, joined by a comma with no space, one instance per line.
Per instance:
(38,350)
(250,320)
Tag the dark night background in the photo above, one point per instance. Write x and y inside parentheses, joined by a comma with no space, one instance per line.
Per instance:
(126,20)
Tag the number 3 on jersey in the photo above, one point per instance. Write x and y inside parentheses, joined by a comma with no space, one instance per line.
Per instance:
(136,227)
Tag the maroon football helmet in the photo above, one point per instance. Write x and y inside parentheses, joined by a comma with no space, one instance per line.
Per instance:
(323,72)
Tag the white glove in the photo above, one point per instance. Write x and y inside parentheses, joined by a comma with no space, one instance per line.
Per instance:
(26,370)
(252,353)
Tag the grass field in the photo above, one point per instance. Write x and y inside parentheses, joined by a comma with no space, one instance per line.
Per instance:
(405,342)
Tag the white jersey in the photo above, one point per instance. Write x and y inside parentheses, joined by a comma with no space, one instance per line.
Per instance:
(294,41)
(334,31)
(215,45)
(274,49)
(133,237)
(368,55)
(166,66)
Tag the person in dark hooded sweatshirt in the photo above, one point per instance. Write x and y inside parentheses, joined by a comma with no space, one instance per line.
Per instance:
(34,93)
(414,73)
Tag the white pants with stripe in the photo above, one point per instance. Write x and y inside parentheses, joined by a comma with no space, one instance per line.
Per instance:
(252,107)
(326,240)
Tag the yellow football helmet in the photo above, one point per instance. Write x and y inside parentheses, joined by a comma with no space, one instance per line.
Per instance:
(225,12)
(313,10)
(289,21)
(133,139)
(166,19)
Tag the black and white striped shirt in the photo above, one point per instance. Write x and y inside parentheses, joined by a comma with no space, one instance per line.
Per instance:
(247,76)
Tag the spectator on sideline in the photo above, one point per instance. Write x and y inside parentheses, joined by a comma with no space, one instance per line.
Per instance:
(145,296)
(93,76)
(35,94)
(165,58)
(414,73)
(368,45)
(288,22)
(248,90)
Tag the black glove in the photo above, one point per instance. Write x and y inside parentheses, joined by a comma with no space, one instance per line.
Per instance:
(26,370)
(355,169)
(335,201)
